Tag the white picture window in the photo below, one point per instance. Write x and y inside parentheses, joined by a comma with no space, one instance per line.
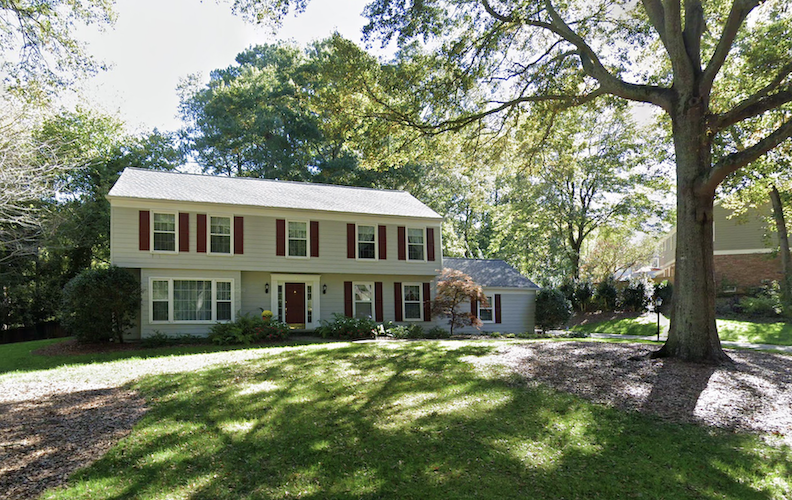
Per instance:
(191,300)
(363,300)
(413,303)
(164,232)
(485,311)
(220,235)
(298,239)
(367,242)
(415,243)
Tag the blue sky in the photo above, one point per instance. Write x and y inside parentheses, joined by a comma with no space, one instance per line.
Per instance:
(157,42)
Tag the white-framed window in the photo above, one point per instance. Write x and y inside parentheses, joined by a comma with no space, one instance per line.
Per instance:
(163,232)
(366,242)
(176,300)
(363,300)
(416,244)
(486,312)
(412,301)
(297,239)
(220,234)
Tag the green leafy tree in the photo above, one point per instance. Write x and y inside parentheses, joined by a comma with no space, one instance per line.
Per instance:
(493,58)
(38,50)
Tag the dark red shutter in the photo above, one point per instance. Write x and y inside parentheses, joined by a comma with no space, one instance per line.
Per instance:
(427,301)
(474,307)
(200,245)
(430,246)
(314,238)
(497,308)
(397,292)
(351,241)
(383,243)
(348,299)
(280,237)
(184,232)
(144,230)
(402,249)
(239,235)
(379,313)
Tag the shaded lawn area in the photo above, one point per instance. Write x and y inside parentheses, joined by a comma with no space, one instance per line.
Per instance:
(733,330)
(408,420)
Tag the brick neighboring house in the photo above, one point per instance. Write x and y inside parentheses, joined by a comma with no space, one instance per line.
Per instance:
(744,258)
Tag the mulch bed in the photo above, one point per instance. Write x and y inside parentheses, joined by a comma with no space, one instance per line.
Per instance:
(71,347)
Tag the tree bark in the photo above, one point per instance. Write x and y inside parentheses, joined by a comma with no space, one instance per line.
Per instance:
(693,335)
(783,242)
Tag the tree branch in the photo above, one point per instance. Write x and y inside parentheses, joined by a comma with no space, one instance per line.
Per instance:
(753,106)
(735,161)
(739,11)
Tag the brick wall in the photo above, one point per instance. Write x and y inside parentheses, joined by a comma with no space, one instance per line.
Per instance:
(746,271)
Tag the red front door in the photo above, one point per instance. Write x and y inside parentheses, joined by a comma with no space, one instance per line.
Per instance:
(295,303)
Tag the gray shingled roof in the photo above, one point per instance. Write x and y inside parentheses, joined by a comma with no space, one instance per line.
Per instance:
(154,185)
(493,273)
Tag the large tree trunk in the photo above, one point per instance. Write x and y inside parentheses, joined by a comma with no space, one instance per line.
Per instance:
(783,242)
(693,335)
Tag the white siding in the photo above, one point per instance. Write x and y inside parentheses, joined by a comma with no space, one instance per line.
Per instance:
(259,246)
(518,308)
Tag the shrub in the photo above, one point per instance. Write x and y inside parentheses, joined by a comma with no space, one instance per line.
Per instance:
(99,304)
(407,332)
(761,306)
(552,309)
(246,330)
(665,292)
(454,288)
(579,293)
(633,297)
(159,339)
(343,327)
(606,295)
(437,333)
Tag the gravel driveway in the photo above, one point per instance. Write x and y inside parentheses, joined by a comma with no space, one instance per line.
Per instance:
(50,429)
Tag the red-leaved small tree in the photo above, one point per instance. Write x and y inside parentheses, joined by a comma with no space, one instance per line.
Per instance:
(453,288)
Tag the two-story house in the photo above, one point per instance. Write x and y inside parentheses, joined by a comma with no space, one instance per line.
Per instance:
(206,248)
(743,256)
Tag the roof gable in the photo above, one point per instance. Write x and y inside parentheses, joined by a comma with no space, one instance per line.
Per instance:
(492,273)
(173,186)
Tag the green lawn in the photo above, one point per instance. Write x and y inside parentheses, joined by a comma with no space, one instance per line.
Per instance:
(398,420)
(728,329)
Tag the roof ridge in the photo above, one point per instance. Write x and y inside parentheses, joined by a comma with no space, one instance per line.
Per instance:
(278,181)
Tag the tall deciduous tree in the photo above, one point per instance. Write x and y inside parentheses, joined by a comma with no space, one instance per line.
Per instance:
(669,54)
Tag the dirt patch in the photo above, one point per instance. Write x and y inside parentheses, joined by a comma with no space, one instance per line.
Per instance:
(71,347)
(754,394)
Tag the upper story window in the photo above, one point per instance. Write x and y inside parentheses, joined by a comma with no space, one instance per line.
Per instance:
(164,232)
(485,311)
(413,300)
(363,294)
(415,244)
(367,242)
(298,239)
(220,235)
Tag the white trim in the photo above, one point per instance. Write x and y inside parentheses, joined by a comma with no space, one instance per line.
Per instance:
(407,245)
(491,308)
(171,311)
(308,279)
(376,243)
(175,233)
(743,252)
(307,239)
(420,301)
(209,235)
(369,284)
